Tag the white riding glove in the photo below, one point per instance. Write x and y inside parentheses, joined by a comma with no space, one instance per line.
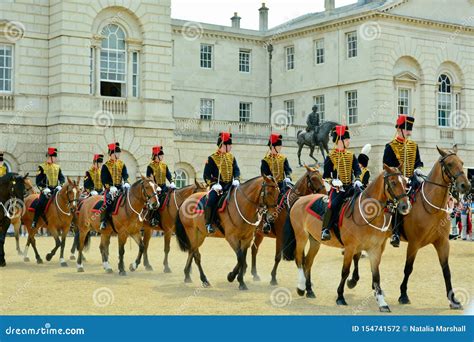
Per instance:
(46,191)
(235,182)
(172,185)
(358,184)
(419,173)
(287,180)
(126,186)
(217,187)
(59,187)
(113,190)
(336,183)
(94,193)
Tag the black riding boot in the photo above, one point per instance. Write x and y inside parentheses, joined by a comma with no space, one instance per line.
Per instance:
(208,213)
(103,219)
(155,220)
(39,212)
(395,239)
(327,219)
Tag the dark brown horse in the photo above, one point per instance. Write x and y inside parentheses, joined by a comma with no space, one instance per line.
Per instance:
(16,219)
(242,215)
(310,183)
(363,228)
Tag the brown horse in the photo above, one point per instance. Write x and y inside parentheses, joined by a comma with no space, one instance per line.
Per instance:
(364,228)
(429,222)
(59,217)
(167,221)
(142,196)
(310,183)
(238,221)
(16,219)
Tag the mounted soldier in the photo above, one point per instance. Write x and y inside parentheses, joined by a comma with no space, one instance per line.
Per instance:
(340,168)
(403,153)
(112,174)
(3,167)
(92,179)
(363,160)
(220,173)
(49,180)
(160,172)
(312,121)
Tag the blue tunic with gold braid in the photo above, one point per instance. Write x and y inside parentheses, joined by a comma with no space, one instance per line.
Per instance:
(277,166)
(92,180)
(160,172)
(404,155)
(112,173)
(49,176)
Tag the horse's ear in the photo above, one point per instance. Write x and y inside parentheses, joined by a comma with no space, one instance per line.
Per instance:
(386,168)
(69,180)
(441,151)
(26,176)
(143,177)
(78,179)
(307,167)
(455,148)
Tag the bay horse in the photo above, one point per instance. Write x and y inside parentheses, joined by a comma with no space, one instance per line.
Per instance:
(429,222)
(310,183)
(59,216)
(366,227)
(242,214)
(142,196)
(167,222)
(16,219)
(12,192)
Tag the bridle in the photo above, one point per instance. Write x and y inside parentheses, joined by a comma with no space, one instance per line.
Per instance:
(148,197)
(73,201)
(11,196)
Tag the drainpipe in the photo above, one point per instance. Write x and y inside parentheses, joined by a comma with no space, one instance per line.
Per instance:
(270,80)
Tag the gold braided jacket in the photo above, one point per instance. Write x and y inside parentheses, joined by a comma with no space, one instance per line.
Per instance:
(95,176)
(115,168)
(159,171)
(363,170)
(225,164)
(276,163)
(52,173)
(3,170)
(399,149)
(342,163)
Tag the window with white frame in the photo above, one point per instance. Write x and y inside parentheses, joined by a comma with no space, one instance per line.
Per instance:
(181,179)
(245,111)
(6,68)
(319,51)
(404,101)
(206,56)
(444,100)
(244,60)
(351,44)
(290,110)
(135,74)
(351,104)
(91,71)
(113,62)
(290,57)
(207,109)
(318,101)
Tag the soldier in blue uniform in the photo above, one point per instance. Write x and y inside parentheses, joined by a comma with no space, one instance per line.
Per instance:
(49,180)
(160,172)
(340,168)
(403,153)
(220,173)
(92,181)
(113,172)
(363,160)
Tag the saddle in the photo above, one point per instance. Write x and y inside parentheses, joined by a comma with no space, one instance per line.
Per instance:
(164,199)
(35,203)
(99,206)
(221,204)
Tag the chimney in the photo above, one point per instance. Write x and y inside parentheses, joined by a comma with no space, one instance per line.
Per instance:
(235,20)
(263,18)
(329,5)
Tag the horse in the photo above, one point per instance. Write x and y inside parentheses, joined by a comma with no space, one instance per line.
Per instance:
(363,228)
(237,223)
(167,222)
(142,196)
(59,216)
(310,183)
(16,219)
(313,140)
(12,192)
(429,221)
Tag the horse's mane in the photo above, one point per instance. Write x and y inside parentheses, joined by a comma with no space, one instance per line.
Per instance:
(8,177)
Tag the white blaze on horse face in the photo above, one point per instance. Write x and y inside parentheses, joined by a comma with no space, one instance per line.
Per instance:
(74,191)
(155,190)
(301,279)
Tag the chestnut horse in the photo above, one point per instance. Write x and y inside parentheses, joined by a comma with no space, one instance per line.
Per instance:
(167,221)
(16,219)
(59,216)
(242,215)
(142,196)
(365,228)
(310,183)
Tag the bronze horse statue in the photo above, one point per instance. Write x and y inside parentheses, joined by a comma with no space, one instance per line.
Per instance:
(313,140)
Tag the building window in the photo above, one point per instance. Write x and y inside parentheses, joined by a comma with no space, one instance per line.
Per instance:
(290,57)
(319,51)
(403,101)
(244,61)
(444,100)
(6,68)
(181,179)
(352,44)
(351,103)
(206,56)
(207,109)
(113,62)
(290,110)
(320,106)
(245,111)
(135,74)
(91,71)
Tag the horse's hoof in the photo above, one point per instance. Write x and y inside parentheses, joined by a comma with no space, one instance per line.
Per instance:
(80,269)
(273,282)
(26,259)
(455,306)
(132,268)
(122,273)
(231,277)
(167,269)
(72,257)
(310,294)
(49,257)
(109,271)
(64,264)
(206,284)
(384,308)
(243,287)
(84,258)
(404,299)
(20,253)
(341,301)
(188,280)
(3,263)
(300,292)
(39,261)
(256,277)
(351,283)
(148,268)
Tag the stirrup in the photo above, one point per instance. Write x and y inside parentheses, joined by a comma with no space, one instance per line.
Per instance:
(103,225)
(154,222)
(325,235)
(210,228)
(395,240)
(267,228)
(33,224)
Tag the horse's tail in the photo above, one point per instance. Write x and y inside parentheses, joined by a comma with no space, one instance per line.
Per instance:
(181,236)
(298,133)
(87,241)
(289,240)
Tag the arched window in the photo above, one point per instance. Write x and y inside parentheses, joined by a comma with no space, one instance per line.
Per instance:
(113,62)
(445,100)
(181,179)
(7,164)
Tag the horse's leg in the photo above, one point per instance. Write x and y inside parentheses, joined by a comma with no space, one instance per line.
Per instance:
(3,235)
(63,245)
(351,283)
(167,237)
(137,238)
(410,259)
(147,232)
(75,245)
(375,256)
(31,238)
(81,238)
(300,147)
(256,242)
(346,269)
(308,263)
(57,244)
(278,246)
(17,227)
(242,255)
(321,148)
(104,250)
(442,248)
(187,267)
(25,251)
(299,259)
(197,260)
(122,239)
(311,154)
